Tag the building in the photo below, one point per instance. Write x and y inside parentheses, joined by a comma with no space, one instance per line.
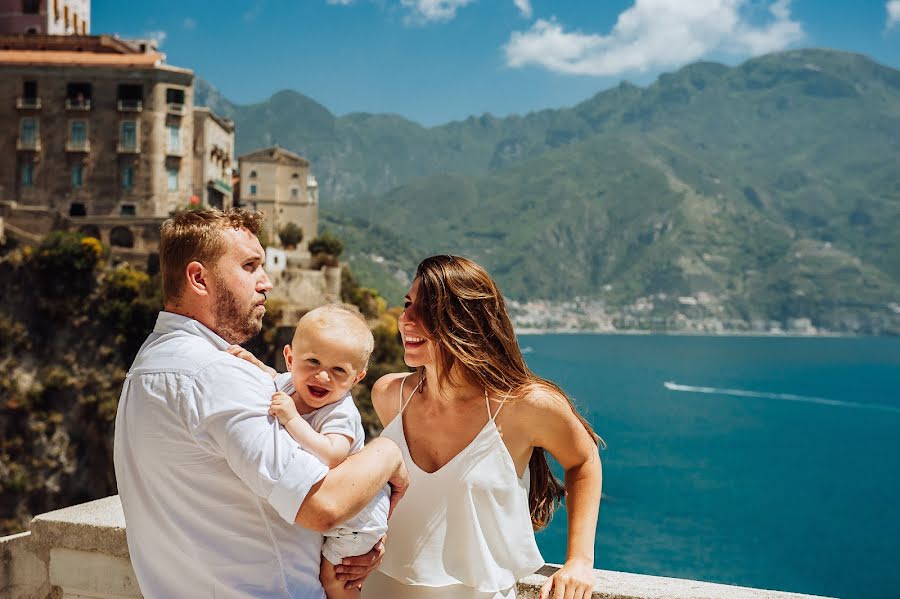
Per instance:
(278,183)
(213,159)
(45,17)
(100,132)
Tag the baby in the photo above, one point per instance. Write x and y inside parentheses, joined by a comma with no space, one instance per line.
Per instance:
(326,358)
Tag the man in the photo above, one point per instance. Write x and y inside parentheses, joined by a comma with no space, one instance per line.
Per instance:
(211,486)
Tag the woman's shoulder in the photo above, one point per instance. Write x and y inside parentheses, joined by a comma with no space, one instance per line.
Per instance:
(537,400)
(386,396)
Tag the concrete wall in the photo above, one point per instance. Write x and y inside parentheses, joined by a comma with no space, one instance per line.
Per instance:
(82,552)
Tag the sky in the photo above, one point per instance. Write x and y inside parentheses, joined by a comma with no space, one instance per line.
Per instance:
(435,61)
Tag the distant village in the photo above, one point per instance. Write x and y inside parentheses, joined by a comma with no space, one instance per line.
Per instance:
(103,137)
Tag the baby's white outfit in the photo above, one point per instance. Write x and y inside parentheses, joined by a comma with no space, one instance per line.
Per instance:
(359,534)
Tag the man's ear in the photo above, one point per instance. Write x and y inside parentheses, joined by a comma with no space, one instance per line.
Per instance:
(288,356)
(196,278)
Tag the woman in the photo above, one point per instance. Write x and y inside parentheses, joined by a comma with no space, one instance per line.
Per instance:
(473,423)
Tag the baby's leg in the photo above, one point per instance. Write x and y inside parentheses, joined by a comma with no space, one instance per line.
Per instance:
(334,588)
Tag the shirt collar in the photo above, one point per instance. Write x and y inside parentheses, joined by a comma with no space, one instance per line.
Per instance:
(168,322)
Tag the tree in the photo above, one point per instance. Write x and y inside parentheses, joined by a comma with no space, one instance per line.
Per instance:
(291,235)
(326,243)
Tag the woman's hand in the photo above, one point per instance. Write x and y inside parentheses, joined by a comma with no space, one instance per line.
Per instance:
(575,580)
(354,570)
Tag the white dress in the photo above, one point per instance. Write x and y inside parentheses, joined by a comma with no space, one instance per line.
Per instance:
(463,531)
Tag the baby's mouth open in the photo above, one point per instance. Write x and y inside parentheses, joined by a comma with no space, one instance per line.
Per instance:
(317,392)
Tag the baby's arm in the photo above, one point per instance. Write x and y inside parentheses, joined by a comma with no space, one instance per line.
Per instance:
(240,352)
(331,448)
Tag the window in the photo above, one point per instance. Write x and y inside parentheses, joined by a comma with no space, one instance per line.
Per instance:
(130,97)
(28,132)
(78,209)
(127,177)
(78,96)
(78,134)
(295,193)
(253,189)
(77,175)
(173,179)
(128,135)
(31,7)
(30,90)
(27,175)
(127,210)
(174,144)
(253,174)
(174,96)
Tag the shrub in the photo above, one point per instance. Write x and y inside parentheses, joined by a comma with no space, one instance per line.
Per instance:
(291,235)
(326,243)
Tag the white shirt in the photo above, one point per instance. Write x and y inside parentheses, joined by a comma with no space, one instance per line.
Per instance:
(210,484)
(340,417)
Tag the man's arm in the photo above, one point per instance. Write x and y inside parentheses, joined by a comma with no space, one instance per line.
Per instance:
(349,487)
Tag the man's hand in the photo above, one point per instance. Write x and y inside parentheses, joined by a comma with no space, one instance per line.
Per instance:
(243,354)
(283,408)
(354,570)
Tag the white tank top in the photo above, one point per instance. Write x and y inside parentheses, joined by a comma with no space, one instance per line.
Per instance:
(466,523)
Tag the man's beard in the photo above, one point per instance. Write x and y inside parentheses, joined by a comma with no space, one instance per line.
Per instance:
(234,324)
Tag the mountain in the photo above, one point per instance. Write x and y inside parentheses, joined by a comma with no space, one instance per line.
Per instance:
(769,191)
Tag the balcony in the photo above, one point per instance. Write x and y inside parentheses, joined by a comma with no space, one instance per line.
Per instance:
(28,103)
(32,144)
(175,108)
(129,147)
(130,105)
(78,145)
(78,103)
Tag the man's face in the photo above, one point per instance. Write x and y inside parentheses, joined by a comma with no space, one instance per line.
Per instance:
(238,287)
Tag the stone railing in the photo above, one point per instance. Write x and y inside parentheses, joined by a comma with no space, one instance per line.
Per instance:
(81,552)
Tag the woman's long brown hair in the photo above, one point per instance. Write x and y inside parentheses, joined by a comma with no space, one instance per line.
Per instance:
(463,311)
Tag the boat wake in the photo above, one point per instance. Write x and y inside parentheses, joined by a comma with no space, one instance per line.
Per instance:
(672,386)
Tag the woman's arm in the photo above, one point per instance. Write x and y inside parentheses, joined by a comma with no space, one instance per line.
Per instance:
(558,430)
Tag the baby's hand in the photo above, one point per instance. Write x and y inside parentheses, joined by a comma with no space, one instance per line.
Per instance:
(283,408)
(243,354)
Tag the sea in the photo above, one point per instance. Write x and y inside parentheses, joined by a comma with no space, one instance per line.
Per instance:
(769,462)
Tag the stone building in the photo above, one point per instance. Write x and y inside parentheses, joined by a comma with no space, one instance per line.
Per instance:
(213,159)
(278,183)
(99,135)
(45,17)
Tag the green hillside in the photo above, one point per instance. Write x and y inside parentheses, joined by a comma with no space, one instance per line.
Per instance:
(770,191)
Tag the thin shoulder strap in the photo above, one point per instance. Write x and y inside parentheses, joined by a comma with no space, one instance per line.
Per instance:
(502,403)
(403,403)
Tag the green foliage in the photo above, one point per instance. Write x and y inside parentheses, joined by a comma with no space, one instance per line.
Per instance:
(291,234)
(62,269)
(326,243)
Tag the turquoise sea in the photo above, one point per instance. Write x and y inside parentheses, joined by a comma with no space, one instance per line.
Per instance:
(765,462)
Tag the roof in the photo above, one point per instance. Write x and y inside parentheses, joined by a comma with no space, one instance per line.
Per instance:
(74,58)
(275,154)
(224,123)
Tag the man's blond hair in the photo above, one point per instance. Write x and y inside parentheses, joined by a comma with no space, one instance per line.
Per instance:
(196,236)
(354,322)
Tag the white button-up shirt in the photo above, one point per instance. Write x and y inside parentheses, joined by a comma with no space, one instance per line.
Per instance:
(210,484)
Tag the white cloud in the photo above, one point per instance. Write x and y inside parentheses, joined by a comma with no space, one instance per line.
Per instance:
(893,13)
(340,2)
(524,7)
(427,11)
(189,24)
(159,36)
(655,34)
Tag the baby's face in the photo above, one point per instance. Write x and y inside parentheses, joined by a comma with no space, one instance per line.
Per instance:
(324,365)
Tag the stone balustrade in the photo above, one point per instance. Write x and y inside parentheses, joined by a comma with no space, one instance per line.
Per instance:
(81,552)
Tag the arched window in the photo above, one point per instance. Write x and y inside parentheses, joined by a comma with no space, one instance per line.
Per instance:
(121,237)
(77,209)
(253,174)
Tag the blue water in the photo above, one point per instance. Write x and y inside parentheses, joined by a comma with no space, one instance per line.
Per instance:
(794,486)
